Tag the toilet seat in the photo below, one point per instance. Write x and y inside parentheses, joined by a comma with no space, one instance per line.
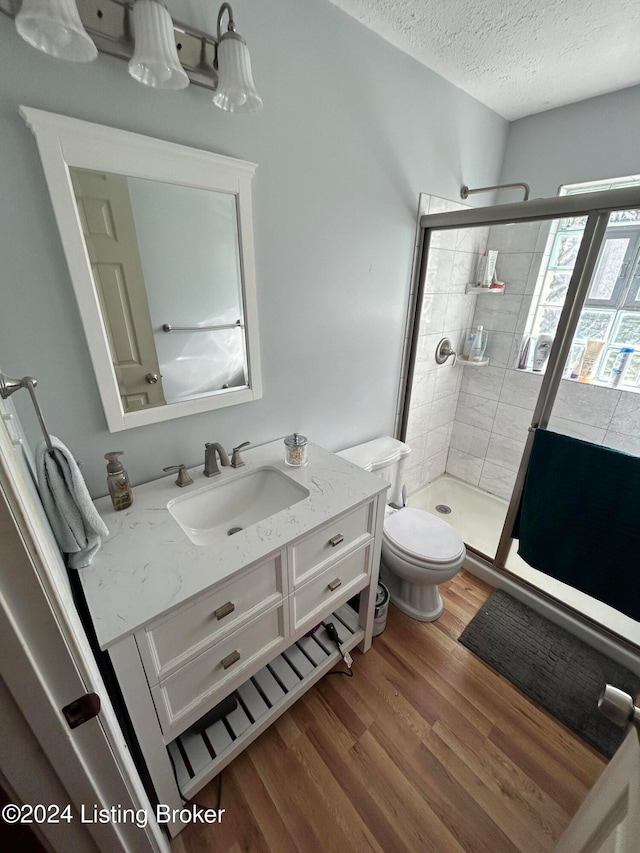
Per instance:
(422,539)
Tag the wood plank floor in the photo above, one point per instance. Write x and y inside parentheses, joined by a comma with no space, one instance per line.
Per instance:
(425,749)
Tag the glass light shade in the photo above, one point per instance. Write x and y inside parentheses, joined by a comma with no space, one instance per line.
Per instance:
(236,91)
(155,59)
(54,27)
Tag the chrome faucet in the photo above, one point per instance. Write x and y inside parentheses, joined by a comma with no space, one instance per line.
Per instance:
(210,462)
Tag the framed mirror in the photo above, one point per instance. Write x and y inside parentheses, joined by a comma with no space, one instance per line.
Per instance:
(158,238)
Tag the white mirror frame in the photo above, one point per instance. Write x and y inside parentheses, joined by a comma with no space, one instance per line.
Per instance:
(64,142)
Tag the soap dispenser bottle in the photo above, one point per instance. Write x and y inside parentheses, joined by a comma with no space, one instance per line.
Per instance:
(118,481)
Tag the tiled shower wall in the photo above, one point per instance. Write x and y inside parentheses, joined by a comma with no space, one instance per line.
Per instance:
(496,401)
(472,422)
(446,312)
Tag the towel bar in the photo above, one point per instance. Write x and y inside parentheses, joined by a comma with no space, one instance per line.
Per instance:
(7,388)
(167,327)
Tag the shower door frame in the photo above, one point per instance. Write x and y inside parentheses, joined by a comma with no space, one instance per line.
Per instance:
(597,206)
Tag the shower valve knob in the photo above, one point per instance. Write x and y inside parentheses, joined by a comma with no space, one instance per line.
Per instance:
(444,350)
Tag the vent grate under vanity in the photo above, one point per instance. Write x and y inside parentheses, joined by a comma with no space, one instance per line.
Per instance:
(198,757)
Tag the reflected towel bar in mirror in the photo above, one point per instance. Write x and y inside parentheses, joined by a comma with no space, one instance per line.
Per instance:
(167,327)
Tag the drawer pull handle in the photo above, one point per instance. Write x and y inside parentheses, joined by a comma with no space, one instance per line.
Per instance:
(334,584)
(336,540)
(234,657)
(225,610)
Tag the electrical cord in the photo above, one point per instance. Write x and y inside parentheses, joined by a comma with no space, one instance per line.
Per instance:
(348,674)
(330,628)
(195,802)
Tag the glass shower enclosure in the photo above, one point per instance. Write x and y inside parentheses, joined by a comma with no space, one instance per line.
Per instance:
(560,313)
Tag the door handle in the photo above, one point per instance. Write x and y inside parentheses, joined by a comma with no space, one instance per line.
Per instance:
(151,378)
(618,706)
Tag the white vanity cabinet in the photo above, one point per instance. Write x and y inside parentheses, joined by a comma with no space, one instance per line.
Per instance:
(331,565)
(193,654)
(246,627)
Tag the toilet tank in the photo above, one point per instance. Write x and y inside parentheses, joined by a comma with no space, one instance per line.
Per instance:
(384,457)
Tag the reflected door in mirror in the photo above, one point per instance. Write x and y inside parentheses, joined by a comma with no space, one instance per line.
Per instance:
(165,257)
(108,225)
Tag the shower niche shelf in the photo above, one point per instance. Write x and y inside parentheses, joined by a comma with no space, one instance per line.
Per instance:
(465,361)
(476,288)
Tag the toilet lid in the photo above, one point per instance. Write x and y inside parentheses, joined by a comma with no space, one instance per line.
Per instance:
(423,536)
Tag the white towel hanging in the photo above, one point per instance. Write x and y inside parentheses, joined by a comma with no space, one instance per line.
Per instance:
(76,523)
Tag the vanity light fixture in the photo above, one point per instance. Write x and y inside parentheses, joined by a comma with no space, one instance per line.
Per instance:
(155,59)
(162,53)
(54,27)
(236,91)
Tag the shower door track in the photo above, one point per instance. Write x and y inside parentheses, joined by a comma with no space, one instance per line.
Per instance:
(597,206)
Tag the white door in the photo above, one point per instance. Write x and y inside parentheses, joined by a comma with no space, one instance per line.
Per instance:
(45,664)
(109,230)
(609,819)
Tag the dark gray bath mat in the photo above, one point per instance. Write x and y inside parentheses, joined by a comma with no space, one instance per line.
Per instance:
(556,670)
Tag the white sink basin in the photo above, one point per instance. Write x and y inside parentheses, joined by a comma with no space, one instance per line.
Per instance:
(221,509)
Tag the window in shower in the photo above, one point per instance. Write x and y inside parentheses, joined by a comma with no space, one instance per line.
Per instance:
(610,319)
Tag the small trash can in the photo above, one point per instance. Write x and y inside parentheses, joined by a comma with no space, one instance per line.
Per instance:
(381,610)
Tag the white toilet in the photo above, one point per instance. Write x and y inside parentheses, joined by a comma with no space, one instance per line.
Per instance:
(419,551)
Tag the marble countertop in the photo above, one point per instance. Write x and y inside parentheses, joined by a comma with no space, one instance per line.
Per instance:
(148,565)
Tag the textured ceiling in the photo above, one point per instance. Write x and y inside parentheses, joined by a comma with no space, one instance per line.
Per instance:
(516,56)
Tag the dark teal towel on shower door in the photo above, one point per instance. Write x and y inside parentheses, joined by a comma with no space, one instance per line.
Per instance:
(579,518)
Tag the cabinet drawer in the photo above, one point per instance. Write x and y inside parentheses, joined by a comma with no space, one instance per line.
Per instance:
(341,580)
(330,541)
(222,667)
(171,641)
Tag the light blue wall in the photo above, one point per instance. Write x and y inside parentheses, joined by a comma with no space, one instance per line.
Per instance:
(593,139)
(351,132)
